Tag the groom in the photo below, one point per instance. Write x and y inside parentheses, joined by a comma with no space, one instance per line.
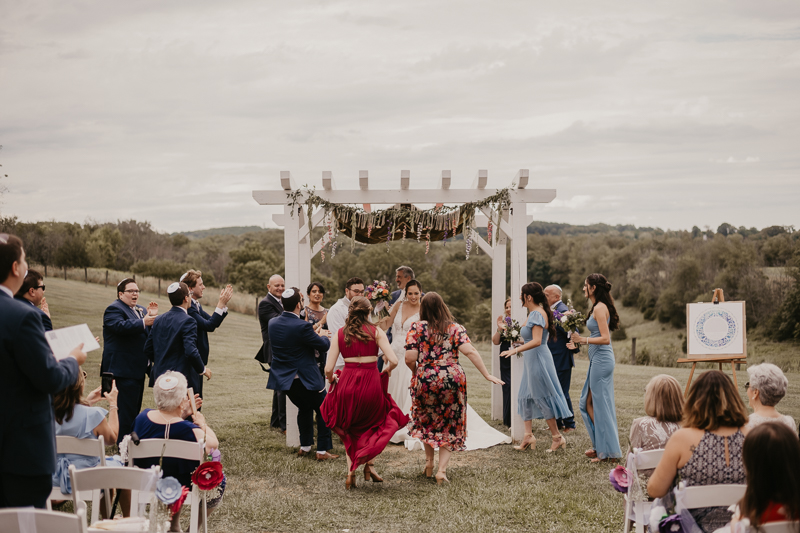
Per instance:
(562,354)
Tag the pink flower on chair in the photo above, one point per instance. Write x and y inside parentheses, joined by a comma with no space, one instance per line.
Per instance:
(619,478)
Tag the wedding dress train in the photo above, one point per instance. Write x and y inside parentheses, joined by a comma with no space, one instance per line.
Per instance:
(479,433)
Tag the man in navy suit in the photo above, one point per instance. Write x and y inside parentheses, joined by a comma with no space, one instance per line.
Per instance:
(294,370)
(269,308)
(32,292)
(172,344)
(126,326)
(563,354)
(30,375)
(205,322)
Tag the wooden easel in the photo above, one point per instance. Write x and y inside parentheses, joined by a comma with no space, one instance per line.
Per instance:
(718,297)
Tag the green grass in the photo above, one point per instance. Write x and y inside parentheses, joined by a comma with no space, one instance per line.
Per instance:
(499,489)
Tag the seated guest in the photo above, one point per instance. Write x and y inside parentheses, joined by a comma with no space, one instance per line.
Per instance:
(663,403)
(168,421)
(32,292)
(77,417)
(708,448)
(767,386)
(771,457)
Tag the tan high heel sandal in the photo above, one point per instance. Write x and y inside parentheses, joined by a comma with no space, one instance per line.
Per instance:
(558,442)
(369,472)
(428,471)
(350,482)
(527,443)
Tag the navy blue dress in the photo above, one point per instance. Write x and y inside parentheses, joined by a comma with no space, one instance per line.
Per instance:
(180,469)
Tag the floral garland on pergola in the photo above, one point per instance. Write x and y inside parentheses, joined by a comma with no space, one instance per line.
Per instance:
(384,225)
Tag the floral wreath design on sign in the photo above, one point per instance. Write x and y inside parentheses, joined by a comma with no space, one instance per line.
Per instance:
(715,313)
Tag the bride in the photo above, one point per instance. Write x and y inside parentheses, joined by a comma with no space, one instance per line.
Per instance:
(404,313)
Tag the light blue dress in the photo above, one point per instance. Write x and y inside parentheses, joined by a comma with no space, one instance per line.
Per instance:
(540,394)
(600,380)
(81,425)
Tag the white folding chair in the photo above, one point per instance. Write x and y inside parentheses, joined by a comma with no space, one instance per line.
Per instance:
(87,447)
(29,520)
(781,527)
(141,483)
(637,511)
(175,449)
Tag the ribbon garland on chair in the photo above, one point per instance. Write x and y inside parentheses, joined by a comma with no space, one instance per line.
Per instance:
(438,223)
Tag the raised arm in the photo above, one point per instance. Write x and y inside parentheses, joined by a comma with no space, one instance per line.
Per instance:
(206,323)
(501,325)
(472,354)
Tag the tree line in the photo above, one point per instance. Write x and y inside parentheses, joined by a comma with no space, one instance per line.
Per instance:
(653,270)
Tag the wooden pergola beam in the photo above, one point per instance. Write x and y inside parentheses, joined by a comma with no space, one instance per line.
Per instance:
(400,196)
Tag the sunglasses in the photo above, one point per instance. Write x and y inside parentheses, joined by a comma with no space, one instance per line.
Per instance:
(747,385)
(40,287)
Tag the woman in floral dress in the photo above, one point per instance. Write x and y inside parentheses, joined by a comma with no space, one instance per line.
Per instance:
(439,385)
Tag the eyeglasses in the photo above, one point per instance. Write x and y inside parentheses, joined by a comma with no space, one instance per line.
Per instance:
(747,385)
(356,291)
(40,287)
(131,291)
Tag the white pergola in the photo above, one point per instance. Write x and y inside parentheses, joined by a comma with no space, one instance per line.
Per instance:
(512,226)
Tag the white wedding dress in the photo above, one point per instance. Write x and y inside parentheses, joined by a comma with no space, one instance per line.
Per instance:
(479,433)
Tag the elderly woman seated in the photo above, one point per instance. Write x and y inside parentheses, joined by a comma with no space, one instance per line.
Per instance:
(707,450)
(78,417)
(767,386)
(167,421)
(663,403)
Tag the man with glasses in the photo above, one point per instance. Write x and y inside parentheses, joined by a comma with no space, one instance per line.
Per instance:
(30,375)
(337,314)
(126,326)
(32,292)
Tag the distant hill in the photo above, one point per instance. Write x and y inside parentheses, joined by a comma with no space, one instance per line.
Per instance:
(232,230)
(560,228)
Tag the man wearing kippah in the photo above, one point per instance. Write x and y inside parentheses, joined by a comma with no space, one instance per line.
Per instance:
(172,344)
(294,370)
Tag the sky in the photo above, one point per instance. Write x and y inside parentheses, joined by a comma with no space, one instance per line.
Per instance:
(665,113)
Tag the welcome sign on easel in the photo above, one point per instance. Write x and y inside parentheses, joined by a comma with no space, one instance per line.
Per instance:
(715,333)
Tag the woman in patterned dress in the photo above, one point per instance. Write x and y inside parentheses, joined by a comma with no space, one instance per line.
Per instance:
(438,383)
(708,449)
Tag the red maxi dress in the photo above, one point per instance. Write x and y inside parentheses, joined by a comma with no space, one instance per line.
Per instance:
(358,407)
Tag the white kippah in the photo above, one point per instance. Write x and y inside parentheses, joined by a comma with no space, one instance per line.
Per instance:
(168,383)
(184,275)
(288,293)
(174,287)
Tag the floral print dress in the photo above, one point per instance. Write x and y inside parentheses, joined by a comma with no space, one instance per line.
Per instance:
(438,388)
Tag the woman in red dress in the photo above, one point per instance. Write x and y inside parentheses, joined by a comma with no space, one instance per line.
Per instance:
(358,407)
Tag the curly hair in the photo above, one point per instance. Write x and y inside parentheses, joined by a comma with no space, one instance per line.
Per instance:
(357,325)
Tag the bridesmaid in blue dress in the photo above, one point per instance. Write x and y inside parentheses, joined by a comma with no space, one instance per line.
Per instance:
(597,405)
(540,394)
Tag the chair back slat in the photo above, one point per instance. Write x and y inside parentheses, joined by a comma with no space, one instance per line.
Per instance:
(76,446)
(12,520)
(176,449)
(115,477)
(781,527)
(647,459)
(713,495)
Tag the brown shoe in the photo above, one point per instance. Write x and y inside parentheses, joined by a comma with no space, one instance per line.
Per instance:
(301,453)
(567,431)
(326,456)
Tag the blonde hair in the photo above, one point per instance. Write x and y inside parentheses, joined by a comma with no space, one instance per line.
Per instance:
(663,399)
(191,278)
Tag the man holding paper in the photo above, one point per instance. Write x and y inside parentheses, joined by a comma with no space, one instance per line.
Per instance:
(30,375)
(126,326)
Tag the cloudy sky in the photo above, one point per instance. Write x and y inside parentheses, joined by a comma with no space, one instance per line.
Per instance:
(670,114)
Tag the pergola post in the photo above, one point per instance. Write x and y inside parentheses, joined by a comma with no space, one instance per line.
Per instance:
(519,272)
(498,301)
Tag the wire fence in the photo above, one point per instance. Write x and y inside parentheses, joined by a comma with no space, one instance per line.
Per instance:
(244,303)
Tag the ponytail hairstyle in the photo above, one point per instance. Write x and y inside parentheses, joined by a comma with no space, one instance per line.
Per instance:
(435,312)
(535,291)
(357,318)
(602,294)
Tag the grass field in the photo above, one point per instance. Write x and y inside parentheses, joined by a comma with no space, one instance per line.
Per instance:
(499,489)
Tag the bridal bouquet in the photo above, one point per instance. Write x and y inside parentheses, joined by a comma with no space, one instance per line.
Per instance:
(572,320)
(510,333)
(379,295)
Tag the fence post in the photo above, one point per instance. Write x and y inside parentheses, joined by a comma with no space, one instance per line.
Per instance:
(134,277)
(159,287)
(256,307)
(106,278)
(45,270)
(65,273)
(633,351)
(85,275)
